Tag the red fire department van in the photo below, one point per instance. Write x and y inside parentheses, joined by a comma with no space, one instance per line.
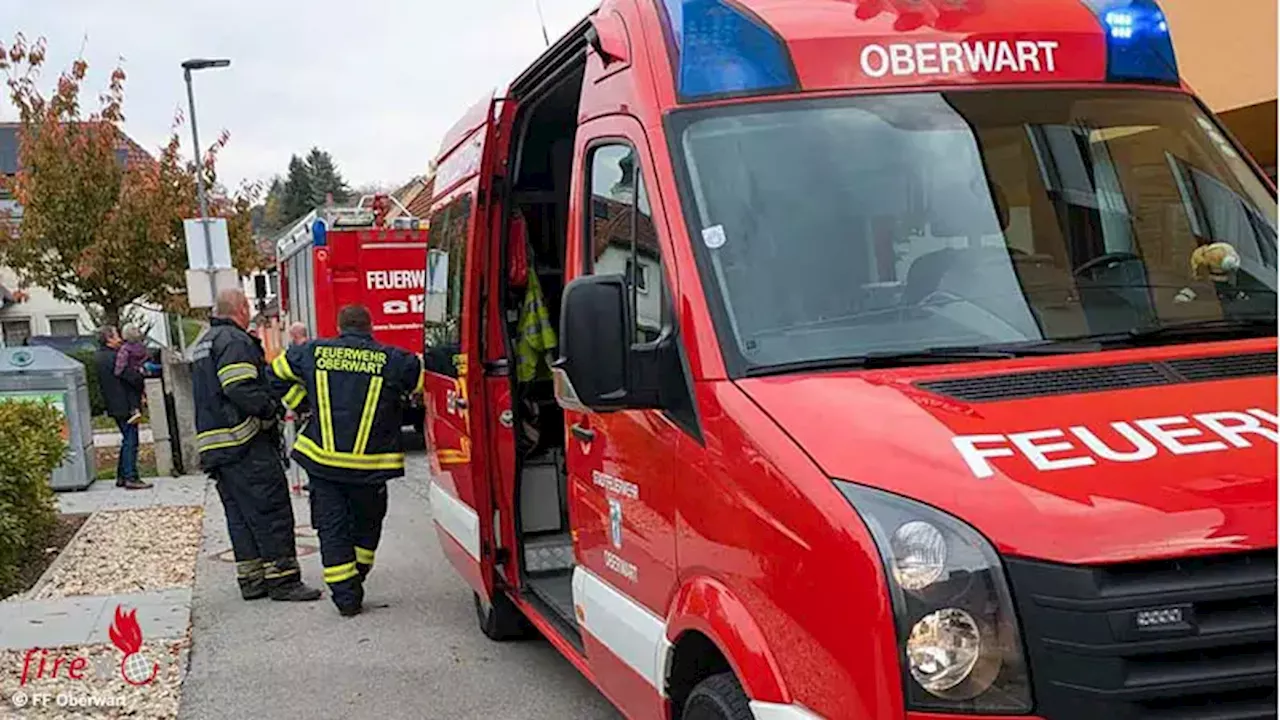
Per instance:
(863,359)
(340,256)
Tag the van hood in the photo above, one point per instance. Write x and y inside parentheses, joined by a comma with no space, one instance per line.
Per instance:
(1111,469)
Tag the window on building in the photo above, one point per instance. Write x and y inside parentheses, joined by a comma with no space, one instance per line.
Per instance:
(64,327)
(623,237)
(15,332)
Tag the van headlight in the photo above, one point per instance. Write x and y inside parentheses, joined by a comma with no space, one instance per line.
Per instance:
(958,634)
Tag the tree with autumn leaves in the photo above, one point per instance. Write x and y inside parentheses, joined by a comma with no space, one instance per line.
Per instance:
(101,220)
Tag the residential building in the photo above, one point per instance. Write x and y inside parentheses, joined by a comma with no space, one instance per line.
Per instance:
(1227,52)
(28,311)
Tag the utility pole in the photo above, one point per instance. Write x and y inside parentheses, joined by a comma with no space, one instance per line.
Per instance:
(187,67)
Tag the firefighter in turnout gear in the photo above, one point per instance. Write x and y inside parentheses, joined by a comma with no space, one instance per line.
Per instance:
(237,436)
(350,445)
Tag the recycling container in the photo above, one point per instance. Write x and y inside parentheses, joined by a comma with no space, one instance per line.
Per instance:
(37,373)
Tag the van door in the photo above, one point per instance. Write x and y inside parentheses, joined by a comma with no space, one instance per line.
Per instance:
(621,465)
(457,260)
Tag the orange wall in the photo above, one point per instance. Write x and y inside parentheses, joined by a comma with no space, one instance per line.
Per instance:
(1226,49)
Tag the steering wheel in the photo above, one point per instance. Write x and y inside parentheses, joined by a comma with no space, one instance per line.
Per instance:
(1120,256)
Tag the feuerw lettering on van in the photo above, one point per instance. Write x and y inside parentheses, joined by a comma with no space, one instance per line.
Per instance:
(353,360)
(396,279)
(960,58)
(1121,442)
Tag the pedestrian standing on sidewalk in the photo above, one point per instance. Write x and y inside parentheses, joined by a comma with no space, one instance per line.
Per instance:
(122,394)
(298,336)
(351,447)
(132,356)
(237,426)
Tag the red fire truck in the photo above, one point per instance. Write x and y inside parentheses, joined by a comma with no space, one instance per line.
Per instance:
(340,256)
(915,359)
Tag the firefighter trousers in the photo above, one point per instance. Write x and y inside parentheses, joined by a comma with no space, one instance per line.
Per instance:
(260,520)
(348,518)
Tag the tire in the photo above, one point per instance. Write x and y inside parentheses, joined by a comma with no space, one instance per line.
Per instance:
(500,621)
(719,697)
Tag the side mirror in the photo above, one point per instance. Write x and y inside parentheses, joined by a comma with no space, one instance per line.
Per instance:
(592,371)
(601,367)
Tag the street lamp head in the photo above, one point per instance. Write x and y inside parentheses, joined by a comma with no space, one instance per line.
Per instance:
(202,63)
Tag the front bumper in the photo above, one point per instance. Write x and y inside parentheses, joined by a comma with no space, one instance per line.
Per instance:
(1193,638)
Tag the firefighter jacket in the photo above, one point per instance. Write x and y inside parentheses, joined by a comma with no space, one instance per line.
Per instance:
(233,398)
(356,388)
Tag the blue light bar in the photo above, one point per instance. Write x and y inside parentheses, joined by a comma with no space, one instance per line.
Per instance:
(1139,48)
(722,50)
(318,230)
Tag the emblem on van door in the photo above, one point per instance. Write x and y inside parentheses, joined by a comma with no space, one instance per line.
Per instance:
(615,522)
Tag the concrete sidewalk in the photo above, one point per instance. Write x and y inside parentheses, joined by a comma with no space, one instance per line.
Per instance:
(167,491)
(415,653)
(64,623)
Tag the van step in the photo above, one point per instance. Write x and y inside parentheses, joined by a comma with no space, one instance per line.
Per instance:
(548,553)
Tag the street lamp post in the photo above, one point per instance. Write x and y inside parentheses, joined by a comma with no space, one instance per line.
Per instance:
(187,67)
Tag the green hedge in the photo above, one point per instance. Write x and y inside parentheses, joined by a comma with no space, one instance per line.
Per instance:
(31,447)
(97,405)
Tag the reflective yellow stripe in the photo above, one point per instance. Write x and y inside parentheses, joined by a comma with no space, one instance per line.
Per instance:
(422,381)
(237,367)
(338,573)
(348,461)
(295,396)
(366,417)
(228,437)
(280,366)
(274,575)
(238,372)
(364,556)
(249,569)
(326,412)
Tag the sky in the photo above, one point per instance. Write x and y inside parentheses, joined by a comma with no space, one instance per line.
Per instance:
(377,83)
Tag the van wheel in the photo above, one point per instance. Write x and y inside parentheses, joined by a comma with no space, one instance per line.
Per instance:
(719,697)
(500,620)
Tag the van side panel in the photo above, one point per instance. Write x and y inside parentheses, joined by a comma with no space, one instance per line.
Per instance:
(707,606)
(760,518)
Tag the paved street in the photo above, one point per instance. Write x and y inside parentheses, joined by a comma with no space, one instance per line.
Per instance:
(419,655)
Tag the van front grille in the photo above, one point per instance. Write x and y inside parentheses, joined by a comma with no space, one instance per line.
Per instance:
(1166,640)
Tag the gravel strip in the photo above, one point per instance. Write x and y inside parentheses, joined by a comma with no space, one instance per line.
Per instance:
(102,692)
(129,551)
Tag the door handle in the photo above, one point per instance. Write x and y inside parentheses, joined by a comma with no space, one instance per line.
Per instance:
(460,403)
(586,435)
(505,418)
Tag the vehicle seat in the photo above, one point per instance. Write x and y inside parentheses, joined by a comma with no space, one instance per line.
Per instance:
(925,274)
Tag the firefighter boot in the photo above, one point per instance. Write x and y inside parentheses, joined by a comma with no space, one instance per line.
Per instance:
(297,591)
(284,582)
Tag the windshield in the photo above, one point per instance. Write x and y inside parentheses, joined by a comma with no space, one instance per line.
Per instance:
(850,227)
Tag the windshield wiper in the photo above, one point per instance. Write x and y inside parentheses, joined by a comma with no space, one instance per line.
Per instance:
(1207,327)
(927,356)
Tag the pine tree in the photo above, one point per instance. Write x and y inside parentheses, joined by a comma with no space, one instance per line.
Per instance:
(325,178)
(296,196)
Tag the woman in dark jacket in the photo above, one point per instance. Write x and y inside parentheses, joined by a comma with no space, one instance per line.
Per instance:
(121,394)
